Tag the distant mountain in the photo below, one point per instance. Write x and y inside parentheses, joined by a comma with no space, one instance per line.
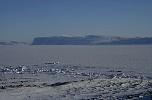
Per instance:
(90,40)
(12,43)
(129,41)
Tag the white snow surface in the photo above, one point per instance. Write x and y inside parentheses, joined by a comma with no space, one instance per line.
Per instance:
(66,82)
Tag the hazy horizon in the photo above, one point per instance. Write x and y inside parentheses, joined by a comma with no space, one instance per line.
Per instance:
(30,41)
(23,20)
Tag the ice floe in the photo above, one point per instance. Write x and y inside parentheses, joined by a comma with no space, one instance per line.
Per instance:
(68,82)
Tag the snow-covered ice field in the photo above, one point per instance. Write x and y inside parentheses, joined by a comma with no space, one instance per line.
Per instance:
(76,72)
(66,82)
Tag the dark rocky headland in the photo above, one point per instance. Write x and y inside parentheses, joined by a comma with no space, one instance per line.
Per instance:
(90,40)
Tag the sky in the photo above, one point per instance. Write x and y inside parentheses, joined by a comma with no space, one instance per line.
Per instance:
(23,20)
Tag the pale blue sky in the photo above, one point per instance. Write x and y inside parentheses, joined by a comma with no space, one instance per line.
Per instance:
(22,20)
